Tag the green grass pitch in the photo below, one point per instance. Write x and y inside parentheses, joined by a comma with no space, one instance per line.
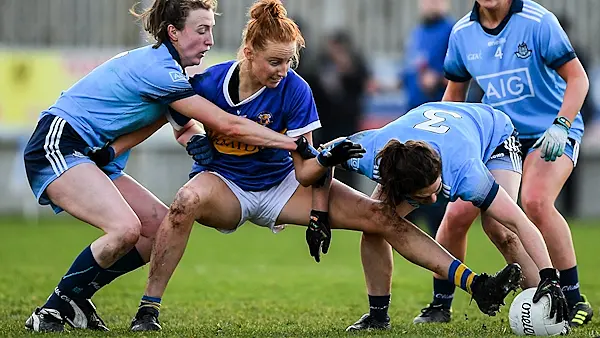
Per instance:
(256,284)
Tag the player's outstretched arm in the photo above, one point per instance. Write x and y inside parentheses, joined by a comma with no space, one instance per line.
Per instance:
(309,171)
(104,155)
(504,210)
(235,127)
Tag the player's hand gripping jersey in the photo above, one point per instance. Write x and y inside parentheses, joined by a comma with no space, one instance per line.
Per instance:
(289,108)
(517,67)
(465,135)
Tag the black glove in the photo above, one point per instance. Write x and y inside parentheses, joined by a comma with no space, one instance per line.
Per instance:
(318,234)
(102,156)
(340,152)
(304,148)
(200,149)
(549,285)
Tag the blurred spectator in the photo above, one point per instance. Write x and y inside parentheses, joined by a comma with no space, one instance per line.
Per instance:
(423,75)
(423,78)
(338,77)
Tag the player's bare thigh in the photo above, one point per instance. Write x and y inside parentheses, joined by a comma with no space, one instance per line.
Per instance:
(544,180)
(210,201)
(85,192)
(149,209)
(348,209)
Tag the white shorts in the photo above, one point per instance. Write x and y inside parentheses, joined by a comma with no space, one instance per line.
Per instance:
(262,207)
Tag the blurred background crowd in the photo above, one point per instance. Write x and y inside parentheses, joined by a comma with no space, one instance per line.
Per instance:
(367,62)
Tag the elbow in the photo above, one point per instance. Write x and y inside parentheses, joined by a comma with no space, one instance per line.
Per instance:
(585,83)
(304,179)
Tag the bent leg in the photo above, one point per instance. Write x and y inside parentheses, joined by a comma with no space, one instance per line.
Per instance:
(85,192)
(507,242)
(151,211)
(205,198)
(452,233)
(88,194)
(542,182)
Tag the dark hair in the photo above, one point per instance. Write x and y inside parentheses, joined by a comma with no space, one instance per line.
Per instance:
(163,13)
(269,22)
(405,168)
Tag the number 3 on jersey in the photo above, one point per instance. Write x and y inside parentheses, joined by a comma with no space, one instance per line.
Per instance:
(432,119)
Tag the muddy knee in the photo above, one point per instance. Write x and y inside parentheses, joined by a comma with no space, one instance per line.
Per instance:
(185,207)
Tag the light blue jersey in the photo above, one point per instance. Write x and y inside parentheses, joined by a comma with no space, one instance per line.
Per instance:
(126,93)
(515,65)
(464,134)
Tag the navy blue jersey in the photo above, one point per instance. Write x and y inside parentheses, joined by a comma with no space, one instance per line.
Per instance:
(288,108)
(464,134)
(516,69)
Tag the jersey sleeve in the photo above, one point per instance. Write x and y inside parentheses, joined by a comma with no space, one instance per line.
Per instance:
(164,84)
(302,114)
(553,43)
(476,184)
(454,67)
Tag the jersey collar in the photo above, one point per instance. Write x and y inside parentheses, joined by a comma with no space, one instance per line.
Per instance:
(515,7)
(226,88)
(174,54)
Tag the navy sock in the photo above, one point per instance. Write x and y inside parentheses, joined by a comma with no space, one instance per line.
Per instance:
(82,272)
(131,261)
(569,282)
(378,307)
(443,292)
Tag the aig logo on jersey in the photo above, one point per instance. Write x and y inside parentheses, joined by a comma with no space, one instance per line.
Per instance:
(506,87)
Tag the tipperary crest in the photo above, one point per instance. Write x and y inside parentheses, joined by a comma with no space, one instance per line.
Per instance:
(265,118)
(523,52)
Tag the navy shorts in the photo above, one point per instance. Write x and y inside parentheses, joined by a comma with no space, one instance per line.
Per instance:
(507,156)
(54,148)
(571,148)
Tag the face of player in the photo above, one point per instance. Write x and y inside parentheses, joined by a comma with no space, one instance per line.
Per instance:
(492,4)
(428,195)
(196,37)
(270,66)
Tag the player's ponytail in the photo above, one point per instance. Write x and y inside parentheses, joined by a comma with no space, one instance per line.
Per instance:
(268,22)
(163,13)
(405,168)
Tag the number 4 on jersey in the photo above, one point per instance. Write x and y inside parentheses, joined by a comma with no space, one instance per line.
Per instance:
(499,53)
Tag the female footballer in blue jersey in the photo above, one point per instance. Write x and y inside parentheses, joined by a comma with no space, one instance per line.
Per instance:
(263,186)
(523,61)
(70,166)
(457,149)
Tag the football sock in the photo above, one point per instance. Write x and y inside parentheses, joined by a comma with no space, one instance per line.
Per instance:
(443,292)
(569,282)
(131,261)
(151,304)
(461,276)
(82,272)
(378,307)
